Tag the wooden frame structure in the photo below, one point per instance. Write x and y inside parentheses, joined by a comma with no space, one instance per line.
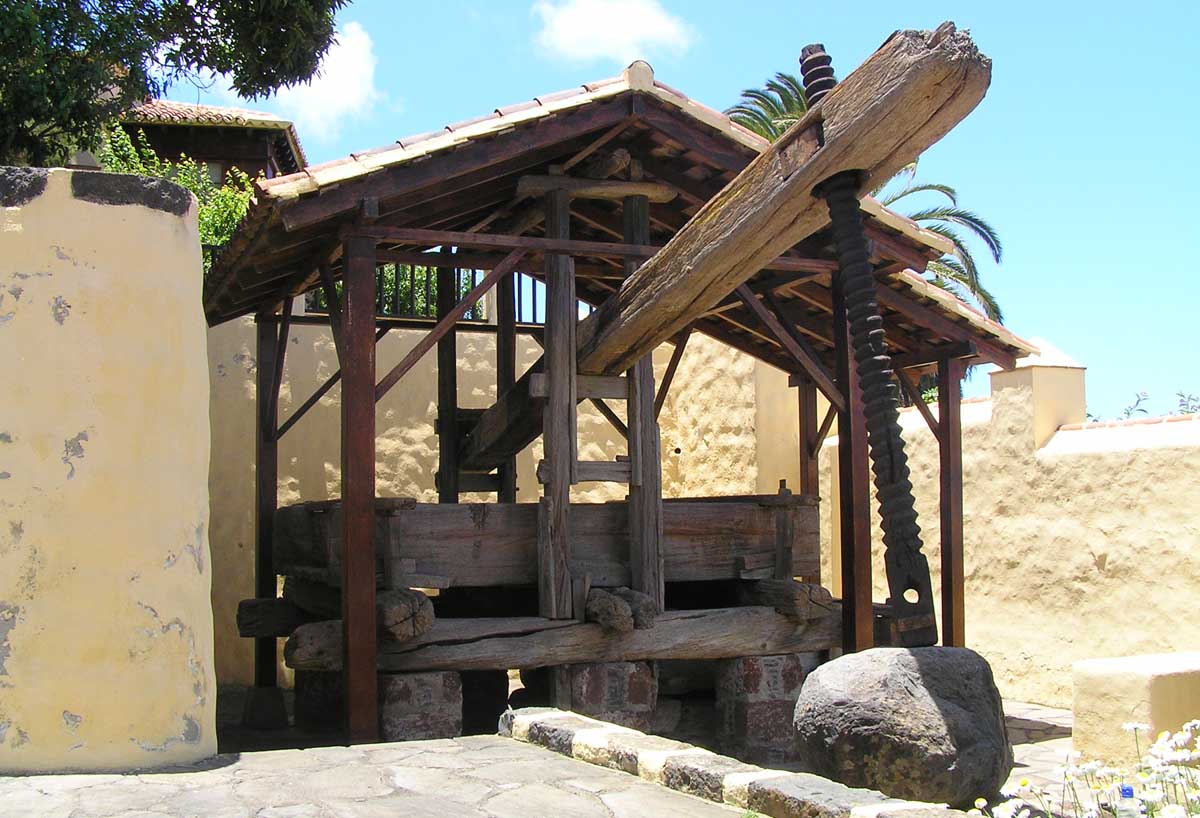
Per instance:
(670,219)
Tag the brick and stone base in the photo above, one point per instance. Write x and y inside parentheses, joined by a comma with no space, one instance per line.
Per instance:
(623,693)
(420,705)
(756,696)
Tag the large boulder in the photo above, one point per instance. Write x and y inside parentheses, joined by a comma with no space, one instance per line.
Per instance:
(924,724)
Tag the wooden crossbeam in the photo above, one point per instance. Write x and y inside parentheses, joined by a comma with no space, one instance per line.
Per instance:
(914,396)
(933,320)
(574,247)
(792,342)
(586,386)
(319,393)
(672,365)
(904,98)
(593,188)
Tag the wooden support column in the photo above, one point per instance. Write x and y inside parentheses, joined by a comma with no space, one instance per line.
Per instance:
(506,371)
(645,489)
(447,374)
(264,706)
(558,438)
(358,491)
(854,481)
(950,374)
(810,481)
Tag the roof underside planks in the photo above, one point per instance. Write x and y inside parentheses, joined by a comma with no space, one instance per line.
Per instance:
(467,176)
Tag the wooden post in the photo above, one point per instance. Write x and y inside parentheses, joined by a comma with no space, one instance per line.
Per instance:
(854,480)
(645,489)
(558,438)
(506,371)
(358,491)
(264,706)
(950,374)
(810,475)
(447,373)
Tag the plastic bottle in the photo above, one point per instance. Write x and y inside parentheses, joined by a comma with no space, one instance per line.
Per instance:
(1127,806)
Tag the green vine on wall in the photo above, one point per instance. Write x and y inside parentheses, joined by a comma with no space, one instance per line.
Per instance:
(221,206)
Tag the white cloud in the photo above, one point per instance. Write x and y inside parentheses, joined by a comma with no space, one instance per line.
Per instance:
(342,89)
(617,30)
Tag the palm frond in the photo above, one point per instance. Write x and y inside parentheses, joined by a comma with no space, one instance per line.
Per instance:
(949,192)
(965,218)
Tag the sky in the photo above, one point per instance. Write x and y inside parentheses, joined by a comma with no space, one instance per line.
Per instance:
(1083,155)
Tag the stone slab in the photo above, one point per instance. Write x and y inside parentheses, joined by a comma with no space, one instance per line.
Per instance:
(376,781)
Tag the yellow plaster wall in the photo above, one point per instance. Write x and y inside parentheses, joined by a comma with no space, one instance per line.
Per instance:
(708,440)
(1079,544)
(106,645)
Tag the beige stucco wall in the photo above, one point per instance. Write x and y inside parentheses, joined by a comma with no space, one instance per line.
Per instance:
(1079,544)
(106,651)
(708,440)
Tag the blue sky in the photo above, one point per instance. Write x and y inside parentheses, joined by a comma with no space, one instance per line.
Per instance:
(1083,154)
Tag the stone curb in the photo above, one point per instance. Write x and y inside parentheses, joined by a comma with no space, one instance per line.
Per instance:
(699,772)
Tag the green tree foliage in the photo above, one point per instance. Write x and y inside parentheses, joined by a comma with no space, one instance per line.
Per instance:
(221,206)
(70,66)
(770,110)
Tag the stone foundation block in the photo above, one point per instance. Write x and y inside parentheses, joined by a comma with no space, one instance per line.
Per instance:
(623,693)
(420,705)
(1159,690)
(755,699)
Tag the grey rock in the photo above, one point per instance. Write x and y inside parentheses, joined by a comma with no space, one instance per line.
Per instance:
(801,795)
(924,724)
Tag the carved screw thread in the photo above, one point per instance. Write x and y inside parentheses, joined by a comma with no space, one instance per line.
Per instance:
(906,565)
(816,69)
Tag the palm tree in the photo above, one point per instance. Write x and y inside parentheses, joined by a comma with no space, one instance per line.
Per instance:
(770,110)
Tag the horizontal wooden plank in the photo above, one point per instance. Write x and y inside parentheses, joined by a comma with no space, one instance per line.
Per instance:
(594,471)
(492,544)
(614,190)
(613,387)
(721,633)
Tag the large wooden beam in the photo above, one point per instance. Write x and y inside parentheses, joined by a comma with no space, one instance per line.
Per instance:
(703,540)
(903,99)
(506,373)
(720,633)
(358,491)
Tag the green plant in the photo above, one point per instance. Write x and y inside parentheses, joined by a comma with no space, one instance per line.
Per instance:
(1189,404)
(220,206)
(70,67)
(1135,407)
(770,110)
(1166,782)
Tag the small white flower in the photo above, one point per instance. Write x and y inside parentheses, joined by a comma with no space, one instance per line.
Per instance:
(1135,727)
(980,803)
(1172,811)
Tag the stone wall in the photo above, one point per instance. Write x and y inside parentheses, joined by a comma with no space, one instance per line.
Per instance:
(708,440)
(1081,540)
(106,651)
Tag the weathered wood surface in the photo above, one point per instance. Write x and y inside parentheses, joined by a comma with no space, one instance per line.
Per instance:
(903,99)
(318,645)
(594,189)
(720,633)
(796,600)
(268,618)
(400,613)
(494,544)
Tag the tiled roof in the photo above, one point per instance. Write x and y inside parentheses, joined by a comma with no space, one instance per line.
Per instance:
(171,112)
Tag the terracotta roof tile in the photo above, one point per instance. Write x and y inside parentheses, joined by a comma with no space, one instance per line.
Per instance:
(173,112)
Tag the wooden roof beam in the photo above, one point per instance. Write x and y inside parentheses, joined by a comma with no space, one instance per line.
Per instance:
(904,98)
(611,190)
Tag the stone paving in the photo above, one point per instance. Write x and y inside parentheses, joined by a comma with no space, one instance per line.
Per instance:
(476,777)
(1041,739)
